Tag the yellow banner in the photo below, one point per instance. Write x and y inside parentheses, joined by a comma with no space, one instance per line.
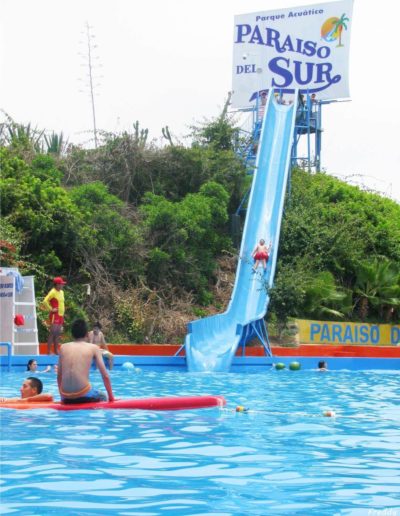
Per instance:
(342,333)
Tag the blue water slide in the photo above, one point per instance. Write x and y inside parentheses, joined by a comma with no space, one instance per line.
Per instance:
(211,342)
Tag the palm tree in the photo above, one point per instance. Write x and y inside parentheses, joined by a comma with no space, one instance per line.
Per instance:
(25,136)
(377,284)
(20,135)
(339,27)
(323,298)
(55,143)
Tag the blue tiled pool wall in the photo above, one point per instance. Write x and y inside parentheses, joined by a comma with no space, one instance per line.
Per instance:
(240,364)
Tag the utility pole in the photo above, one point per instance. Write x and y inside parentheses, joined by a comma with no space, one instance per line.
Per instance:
(90,65)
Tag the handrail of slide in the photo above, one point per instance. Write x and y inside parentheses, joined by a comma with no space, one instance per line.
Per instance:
(211,342)
(8,346)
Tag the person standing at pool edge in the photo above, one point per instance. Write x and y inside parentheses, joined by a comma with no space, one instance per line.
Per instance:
(74,366)
(54,302)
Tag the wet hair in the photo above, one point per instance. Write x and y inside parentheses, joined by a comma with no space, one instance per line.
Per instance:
(79,329)
(322,364)
(262,241)
(36,384)
(30,362)
(97,325)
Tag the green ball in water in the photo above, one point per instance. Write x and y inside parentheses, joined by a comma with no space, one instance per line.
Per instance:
(279,366)
(294,366)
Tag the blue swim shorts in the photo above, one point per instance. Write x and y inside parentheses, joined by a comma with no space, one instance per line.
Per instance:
(91,396)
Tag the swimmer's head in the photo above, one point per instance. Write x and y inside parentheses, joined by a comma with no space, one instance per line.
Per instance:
(96,327)
(262,241)
(31,365)
(79,329)
(31,387)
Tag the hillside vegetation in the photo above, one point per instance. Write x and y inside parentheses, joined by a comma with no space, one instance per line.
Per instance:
(148,228)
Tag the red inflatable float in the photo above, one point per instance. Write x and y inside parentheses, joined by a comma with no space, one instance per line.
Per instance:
(169,403)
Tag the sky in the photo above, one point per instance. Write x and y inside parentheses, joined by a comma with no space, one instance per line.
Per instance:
(169,62)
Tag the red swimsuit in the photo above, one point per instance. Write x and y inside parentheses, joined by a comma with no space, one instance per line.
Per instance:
(261,256)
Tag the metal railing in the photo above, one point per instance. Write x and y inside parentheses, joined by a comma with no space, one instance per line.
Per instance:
(8,346)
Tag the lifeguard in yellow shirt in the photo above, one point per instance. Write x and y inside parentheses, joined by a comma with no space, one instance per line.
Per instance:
(54,302)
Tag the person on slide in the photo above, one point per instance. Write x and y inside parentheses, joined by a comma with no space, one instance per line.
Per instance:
(31,390)
(261,254)
(74,366)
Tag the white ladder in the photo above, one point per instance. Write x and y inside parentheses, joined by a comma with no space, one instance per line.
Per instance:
(24,339)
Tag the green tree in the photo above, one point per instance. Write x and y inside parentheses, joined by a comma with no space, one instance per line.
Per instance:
(131,170)
(323,299)
(286,296)
(55,143)
(219,133)
(334,225)
(34,202)
(21,139)
(186,237)
(10,245)
(301,292)
(377,285)
(110,242)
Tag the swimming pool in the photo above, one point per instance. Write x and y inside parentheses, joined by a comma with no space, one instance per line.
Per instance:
(280,458)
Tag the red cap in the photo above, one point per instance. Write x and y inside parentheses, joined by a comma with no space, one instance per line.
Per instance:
(59,281)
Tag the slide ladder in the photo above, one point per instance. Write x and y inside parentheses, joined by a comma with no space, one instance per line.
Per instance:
(211,343)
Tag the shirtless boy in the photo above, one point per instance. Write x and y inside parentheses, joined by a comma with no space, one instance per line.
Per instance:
(96,336)
(74,366)
(261,254)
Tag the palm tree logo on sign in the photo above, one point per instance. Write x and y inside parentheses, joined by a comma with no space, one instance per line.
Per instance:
(332,29)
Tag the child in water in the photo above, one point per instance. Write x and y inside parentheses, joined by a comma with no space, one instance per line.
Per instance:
(261,254)
(96,336)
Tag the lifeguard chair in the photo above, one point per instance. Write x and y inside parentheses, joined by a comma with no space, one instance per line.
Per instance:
(17,297)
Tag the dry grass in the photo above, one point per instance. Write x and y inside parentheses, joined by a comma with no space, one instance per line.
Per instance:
(161,316)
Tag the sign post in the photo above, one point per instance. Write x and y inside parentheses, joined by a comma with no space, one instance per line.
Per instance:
(7,293)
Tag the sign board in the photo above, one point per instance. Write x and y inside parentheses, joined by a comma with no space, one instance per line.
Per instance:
(305,48)
(342,333)
(7,309)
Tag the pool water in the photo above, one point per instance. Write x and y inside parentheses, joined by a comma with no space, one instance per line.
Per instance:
(282,457)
